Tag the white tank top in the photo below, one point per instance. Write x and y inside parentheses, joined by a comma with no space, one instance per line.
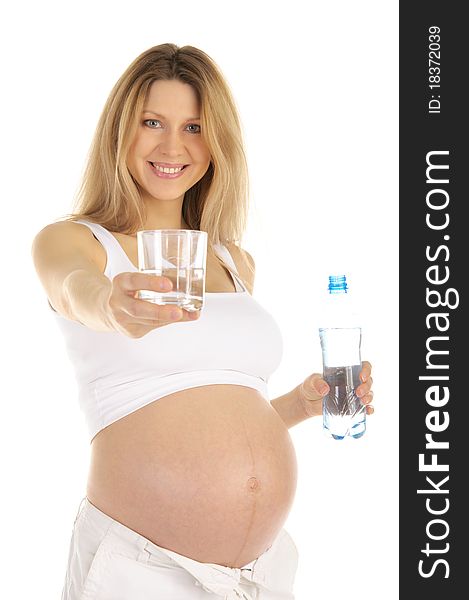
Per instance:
(234,341)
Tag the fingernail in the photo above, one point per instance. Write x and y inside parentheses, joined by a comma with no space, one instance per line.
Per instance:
(165,284)
(175,314)
(363,377)
(323,389)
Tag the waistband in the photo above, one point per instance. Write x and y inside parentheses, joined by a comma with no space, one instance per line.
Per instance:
(212,577)
(106,404)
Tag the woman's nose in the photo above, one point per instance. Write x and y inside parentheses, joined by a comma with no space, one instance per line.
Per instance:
(171,143)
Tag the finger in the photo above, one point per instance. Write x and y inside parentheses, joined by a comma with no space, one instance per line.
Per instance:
(366,370)
(133,282)
(163,314)
(191,315)
(367,398)
(314,387)
(364,388)
(147,313)
(176,313)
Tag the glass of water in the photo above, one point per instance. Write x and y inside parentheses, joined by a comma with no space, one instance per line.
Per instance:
(181,256)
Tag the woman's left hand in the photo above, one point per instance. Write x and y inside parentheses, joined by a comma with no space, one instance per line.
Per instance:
(314,388)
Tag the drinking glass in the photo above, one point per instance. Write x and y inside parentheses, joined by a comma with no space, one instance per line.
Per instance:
(181,256)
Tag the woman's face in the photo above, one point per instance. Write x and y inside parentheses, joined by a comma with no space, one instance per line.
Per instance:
(168,155)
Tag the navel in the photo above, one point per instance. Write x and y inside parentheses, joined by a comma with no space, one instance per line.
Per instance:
(253,484)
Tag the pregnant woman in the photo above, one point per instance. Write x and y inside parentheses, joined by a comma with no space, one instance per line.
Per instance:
(192,470)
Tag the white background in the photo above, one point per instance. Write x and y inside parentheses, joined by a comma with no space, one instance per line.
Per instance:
(316,87)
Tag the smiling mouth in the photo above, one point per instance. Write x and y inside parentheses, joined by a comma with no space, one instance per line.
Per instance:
(167,170)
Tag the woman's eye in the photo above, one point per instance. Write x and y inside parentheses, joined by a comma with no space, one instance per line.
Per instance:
(153,123)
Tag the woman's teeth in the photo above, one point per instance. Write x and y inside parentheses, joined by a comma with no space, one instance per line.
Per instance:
(167,169)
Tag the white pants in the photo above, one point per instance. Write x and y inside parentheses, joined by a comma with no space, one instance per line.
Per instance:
(109,561)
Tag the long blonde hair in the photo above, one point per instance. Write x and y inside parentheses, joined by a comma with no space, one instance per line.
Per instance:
(219,202)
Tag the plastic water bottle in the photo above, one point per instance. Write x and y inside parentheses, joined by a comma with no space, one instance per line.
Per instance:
(340,335)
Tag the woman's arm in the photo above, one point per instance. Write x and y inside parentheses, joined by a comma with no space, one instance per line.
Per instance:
(292,410)
(305,400)
(70,263)
(67,263)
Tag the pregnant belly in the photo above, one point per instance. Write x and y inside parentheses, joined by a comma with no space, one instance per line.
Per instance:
(209,473)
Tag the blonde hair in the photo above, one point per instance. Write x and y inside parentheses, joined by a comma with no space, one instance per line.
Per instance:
(219,202)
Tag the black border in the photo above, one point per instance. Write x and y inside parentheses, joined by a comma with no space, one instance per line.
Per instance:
(419,133)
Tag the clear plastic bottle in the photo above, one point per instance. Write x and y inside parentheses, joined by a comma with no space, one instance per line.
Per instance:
(340,334)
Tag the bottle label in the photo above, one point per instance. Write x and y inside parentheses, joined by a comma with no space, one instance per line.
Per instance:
(340,347)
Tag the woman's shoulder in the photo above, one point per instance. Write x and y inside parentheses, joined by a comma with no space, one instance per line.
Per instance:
(63,234)
(63,225)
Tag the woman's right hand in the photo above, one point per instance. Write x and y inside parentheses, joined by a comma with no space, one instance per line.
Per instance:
(134,317)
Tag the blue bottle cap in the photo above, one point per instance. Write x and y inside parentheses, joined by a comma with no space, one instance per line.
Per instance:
(337,284)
